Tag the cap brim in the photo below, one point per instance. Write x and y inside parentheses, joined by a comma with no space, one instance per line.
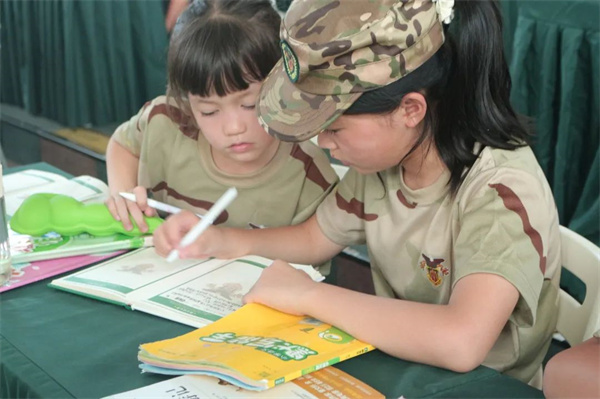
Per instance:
(290,114)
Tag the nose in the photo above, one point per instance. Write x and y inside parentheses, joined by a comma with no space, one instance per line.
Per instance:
(324,141)
(234,124)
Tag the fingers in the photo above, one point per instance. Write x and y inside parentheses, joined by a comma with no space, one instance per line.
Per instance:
(137,215)
(264,282)
(198,248)
(120,211)
(169,234)
(280,286)
(141,197)
(112,208)
(137,208)
(248,297)
(125,208)
(162,243)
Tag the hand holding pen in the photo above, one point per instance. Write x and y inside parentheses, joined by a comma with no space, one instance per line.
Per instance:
(182,221)
(204,222)
(138,208)
(183,228)
(171,209)
(159,206)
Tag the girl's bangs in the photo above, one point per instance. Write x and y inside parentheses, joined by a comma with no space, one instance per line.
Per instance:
(243,58)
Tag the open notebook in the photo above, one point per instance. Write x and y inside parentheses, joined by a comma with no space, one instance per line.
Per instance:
(192,292)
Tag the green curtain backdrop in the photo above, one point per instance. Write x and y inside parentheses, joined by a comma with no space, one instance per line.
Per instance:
(555,70)
(82,62)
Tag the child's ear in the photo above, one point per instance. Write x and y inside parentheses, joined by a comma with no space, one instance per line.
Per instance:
(413,109)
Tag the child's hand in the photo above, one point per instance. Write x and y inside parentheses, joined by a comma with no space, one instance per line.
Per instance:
(120,208)
(281,287)
(215,241)
(169,234)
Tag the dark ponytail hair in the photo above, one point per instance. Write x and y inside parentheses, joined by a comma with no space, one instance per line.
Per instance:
(220,46)
(467,87)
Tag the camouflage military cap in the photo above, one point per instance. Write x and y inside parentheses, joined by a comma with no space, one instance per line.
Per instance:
(334,50)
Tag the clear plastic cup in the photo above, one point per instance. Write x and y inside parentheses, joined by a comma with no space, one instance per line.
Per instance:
(5,263)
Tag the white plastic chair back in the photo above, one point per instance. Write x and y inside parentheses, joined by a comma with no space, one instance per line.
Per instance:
(578,322)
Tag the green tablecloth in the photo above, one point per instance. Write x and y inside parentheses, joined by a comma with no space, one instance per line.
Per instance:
(58,345)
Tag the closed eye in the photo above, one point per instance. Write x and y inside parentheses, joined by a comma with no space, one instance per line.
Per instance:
(330,131)
(249,107)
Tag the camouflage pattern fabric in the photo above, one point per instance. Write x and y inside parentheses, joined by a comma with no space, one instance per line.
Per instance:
(333,51)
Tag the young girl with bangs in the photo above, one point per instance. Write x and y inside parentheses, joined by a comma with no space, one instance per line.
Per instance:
(189,146)
(458,218)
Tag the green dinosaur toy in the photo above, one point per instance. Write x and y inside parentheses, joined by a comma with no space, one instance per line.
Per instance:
(42,213)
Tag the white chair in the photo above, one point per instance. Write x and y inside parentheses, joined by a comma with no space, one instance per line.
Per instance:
(2,158)
(578,322)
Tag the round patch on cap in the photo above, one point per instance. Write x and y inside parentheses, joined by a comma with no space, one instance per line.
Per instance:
(290,62)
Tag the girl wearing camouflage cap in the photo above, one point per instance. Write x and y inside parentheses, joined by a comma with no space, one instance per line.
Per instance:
(459,220)
(203,137)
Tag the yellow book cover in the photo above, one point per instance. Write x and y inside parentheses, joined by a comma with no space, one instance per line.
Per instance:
(255,347)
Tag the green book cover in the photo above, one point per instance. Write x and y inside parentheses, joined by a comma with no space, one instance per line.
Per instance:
(52,245)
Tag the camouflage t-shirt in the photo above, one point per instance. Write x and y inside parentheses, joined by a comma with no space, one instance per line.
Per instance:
(503,220)
(176,164)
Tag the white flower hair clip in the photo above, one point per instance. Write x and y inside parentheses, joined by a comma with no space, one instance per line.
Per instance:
(445,10)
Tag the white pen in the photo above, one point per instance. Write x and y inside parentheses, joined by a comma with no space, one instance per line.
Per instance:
(161,206)
(206,221)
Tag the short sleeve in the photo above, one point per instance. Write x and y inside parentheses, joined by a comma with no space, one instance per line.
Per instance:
(341,215)
(311,200)
(130,133)
(504,219)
